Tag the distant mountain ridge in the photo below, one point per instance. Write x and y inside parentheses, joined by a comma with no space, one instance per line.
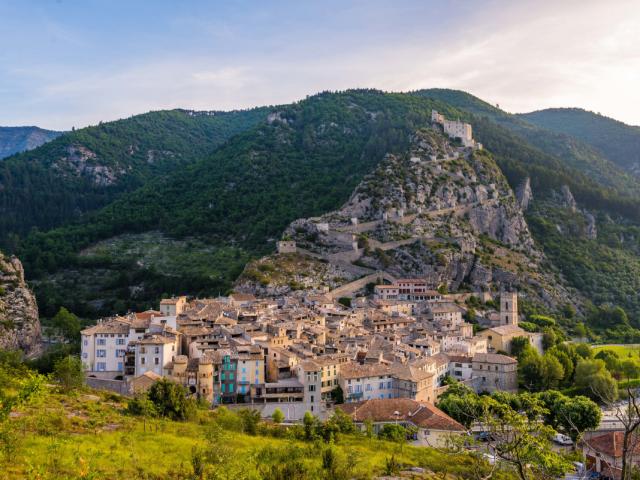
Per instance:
(20,139)
(616,140)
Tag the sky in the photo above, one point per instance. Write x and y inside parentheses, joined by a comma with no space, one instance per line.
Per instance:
(73,63)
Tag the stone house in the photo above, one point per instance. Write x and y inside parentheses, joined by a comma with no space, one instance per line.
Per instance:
(493,371)
(433,426)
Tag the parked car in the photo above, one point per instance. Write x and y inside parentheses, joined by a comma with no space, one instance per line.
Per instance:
(485,436)
(562,439)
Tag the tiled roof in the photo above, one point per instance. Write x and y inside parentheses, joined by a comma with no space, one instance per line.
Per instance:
(610,444)
(497,358)
(421,414)
(115,325)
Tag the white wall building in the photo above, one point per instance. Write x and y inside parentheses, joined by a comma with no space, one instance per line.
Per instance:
(103,348)
(153,353)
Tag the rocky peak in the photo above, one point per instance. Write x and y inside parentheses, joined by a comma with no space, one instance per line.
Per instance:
(524,194)
(19,323)
(437,211)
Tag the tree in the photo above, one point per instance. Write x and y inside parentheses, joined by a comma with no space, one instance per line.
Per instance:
(170,400)
(67,324)
(552,371)
(584,350)
(522,441)
(566,362)
(277,416)
(143,407)
(393,432)
(68,373)
(549,338)
(309,422)
(595,380)
(250,420)
(531,370)
(520,346)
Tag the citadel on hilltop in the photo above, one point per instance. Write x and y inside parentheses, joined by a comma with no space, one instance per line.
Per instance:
(456,129)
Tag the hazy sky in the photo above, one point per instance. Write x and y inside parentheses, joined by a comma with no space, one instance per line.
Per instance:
(75,62)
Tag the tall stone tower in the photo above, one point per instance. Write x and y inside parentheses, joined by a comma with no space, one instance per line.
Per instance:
(509,308)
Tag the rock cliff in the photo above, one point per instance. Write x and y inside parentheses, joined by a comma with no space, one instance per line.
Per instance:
(438,211)
(19,323)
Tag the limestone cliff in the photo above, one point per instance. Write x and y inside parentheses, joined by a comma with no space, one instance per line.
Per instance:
(439,211)
(19,323)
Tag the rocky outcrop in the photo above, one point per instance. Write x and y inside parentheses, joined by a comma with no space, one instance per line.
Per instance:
(19,323)
(439,212)
(591,230)
(82,162)
(566,197)
(524,194)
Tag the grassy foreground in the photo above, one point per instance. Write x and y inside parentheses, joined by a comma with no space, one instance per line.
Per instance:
(87,436)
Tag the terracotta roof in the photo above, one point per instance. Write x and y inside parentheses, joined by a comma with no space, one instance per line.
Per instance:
(242,297)
(609,443)
(497,358)
(119,325)
(508,330)
(147,314)
(355,370)
(421,414)
(156,340)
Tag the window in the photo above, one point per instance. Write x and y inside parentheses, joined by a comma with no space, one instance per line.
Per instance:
(102,366)
(231,388)
(312,388)
(388,384)
(120,368)
(350,389)
(120,341)
(101,341)
(143,361)
(368,387)
(244,370)
(222,376)
(120,353)
(156,350)
(222,388)
(101,353)
(381,386)
(85,355)
(231,376)
(85,342)
(143,350)
(156,360)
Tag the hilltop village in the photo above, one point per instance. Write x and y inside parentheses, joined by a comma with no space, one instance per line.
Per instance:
(307,352)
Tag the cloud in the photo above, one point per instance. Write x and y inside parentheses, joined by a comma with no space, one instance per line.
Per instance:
(523,55)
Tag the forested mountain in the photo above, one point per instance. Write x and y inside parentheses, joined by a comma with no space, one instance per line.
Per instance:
(192,229)
(617,141)
(20,139)
(303,161)
(86,169)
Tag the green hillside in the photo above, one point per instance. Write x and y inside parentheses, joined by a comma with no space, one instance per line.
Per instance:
(304,161)
(86,169)
(617,141)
